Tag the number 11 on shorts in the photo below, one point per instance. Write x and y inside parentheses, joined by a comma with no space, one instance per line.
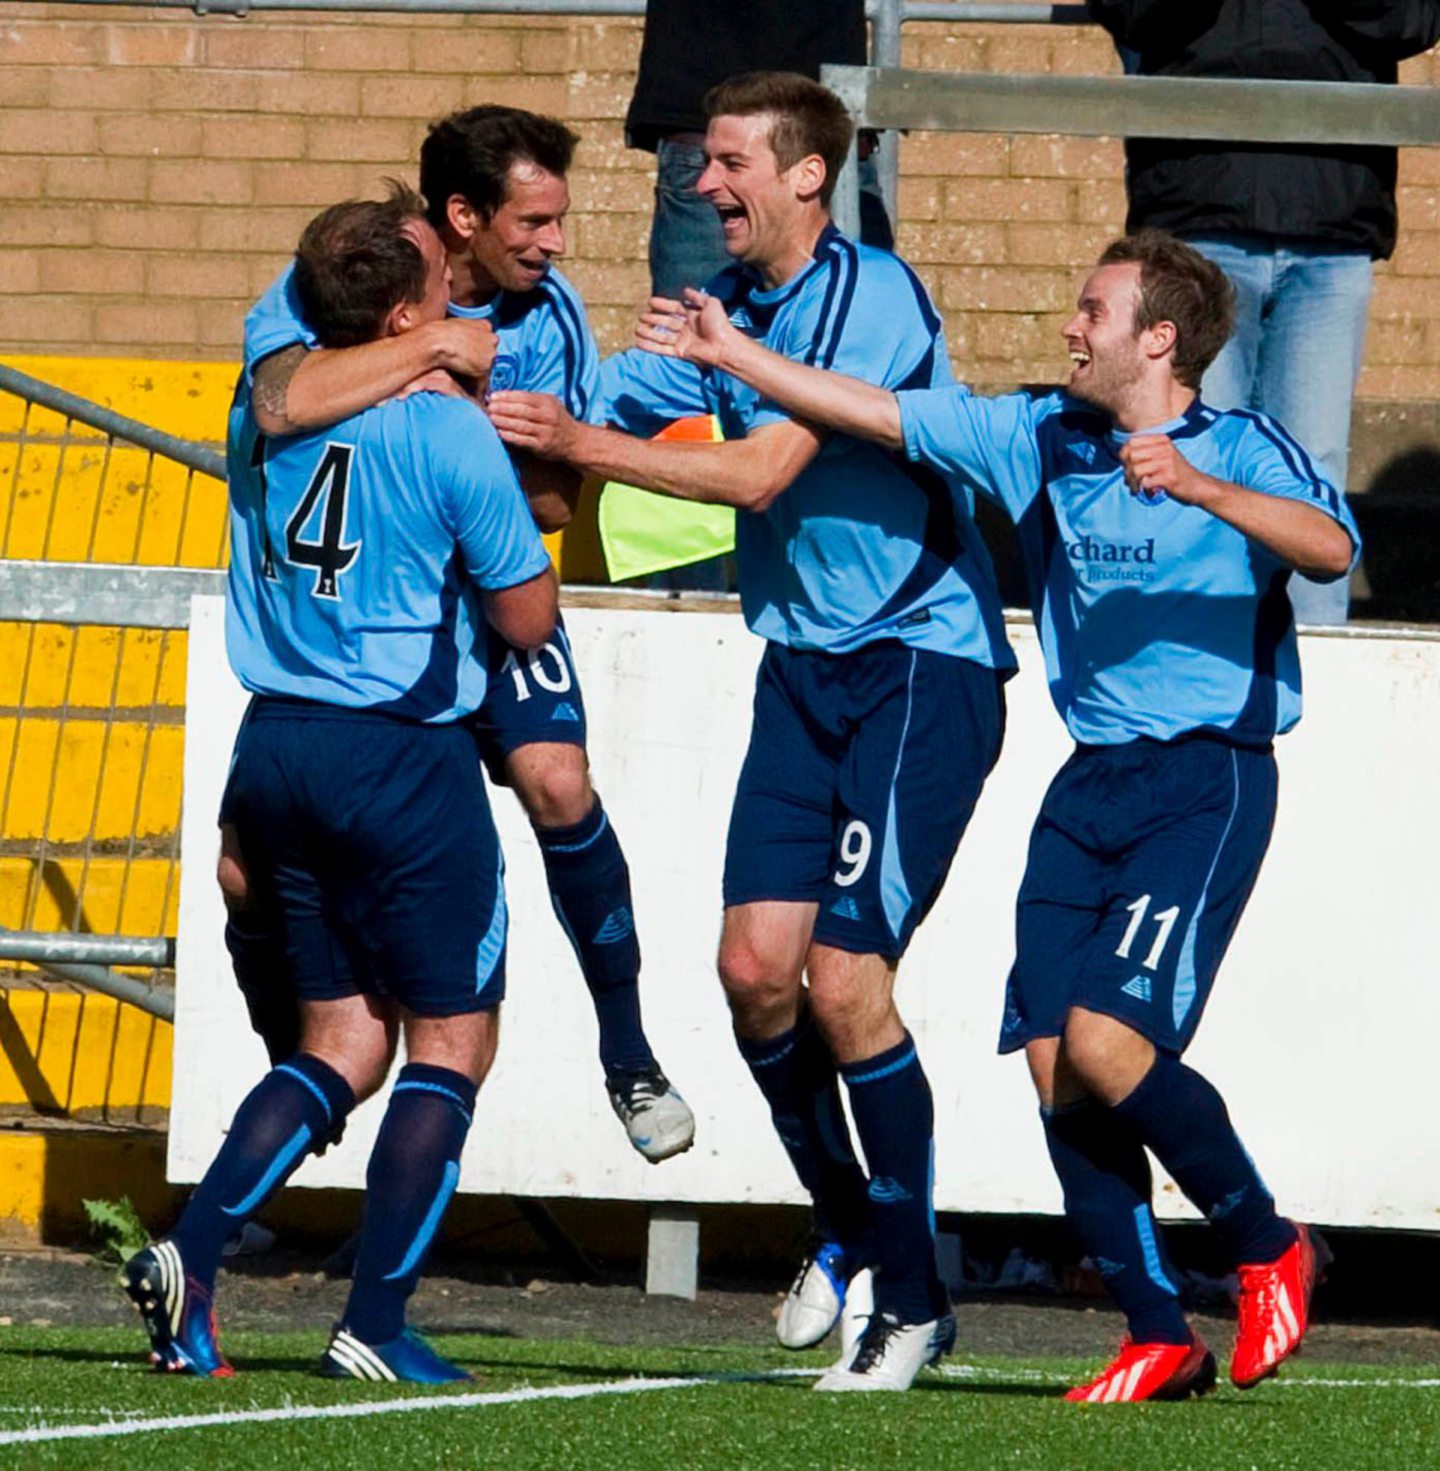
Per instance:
(1165,919)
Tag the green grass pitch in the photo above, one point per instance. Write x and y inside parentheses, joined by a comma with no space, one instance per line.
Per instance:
(750,1410)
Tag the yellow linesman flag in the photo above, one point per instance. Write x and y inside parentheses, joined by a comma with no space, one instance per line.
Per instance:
(642,533)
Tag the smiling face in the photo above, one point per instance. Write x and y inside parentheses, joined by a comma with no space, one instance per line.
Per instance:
(1107,356)
(513,249)
(764,213)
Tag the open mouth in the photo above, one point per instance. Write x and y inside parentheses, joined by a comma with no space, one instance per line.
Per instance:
(730,215)
(1079,358)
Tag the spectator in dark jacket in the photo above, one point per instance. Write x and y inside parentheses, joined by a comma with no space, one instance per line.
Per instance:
(1295,227)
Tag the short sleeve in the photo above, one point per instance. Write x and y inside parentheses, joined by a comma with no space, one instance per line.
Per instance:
(1267,458)
(486,509)
(275,321)
(868,316)
(990,444)
(643,392)
(566,361)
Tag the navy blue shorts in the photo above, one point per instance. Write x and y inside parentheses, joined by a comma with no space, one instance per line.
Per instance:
(375,837)
(1141,862)
(533,697)
(862,772)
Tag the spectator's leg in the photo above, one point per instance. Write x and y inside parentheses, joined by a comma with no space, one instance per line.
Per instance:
(1230,381)
(687,247)
(1309,361)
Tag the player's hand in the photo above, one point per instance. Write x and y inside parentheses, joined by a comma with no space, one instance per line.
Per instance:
(465,346)
(1153,466)
(696,330)
(536,422)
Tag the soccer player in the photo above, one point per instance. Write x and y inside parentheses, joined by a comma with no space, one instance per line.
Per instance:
(1159,536)
(365,561)
(495,186)
(878,704)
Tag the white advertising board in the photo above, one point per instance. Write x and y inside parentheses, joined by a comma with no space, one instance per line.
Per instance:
(1319,1032)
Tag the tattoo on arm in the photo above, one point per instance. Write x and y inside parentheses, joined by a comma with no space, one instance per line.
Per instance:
(272,381)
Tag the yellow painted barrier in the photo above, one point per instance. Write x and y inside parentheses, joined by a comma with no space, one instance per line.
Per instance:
(85,1055)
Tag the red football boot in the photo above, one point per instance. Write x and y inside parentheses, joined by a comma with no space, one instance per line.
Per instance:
(1143,1371)
(1274,1308)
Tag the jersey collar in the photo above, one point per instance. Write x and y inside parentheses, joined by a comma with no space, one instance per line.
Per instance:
(1194,420)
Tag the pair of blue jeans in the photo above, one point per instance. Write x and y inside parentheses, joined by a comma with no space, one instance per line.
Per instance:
(1300,318)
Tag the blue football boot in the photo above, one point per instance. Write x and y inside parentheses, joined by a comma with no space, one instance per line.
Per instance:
(176,1311)
(407,1359)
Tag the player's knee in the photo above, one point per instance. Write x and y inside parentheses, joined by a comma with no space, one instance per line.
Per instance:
(1104,1054)
(754,986)
(557,793)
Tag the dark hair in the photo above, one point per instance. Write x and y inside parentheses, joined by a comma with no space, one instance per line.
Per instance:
(354,264)
(809,118)
(1179,285)
(471,153)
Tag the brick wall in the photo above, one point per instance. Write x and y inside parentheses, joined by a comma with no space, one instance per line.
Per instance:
(156,168)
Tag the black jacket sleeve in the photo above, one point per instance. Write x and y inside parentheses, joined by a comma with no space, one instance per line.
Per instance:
(1397,28)
(1140,24)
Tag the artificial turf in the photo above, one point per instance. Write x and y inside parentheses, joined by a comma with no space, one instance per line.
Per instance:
(977,1414)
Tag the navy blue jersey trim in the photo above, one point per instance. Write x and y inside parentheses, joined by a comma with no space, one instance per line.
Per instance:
(941,545)
(572,334)
(928,314)
(438,686)
(1297,458)
(843,251)
(833,269)
(1255,724)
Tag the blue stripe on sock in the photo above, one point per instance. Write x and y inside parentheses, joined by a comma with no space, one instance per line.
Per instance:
(1145,1229)
(298,1142)
(431,1222)
(294,1072)
(576,847)
(881,1072)
(409,1085)
(772,1058)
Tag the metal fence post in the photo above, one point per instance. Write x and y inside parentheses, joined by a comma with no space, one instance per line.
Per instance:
(885,51)
(849,83)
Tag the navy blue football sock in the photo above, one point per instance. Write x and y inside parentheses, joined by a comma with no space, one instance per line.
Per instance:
(895,1118)
(1106,1179)
(1183,1120)
(590,891)
(292,1110)
(413,1171)
(797,1075)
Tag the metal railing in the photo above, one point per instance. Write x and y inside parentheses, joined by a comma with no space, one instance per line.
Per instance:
(1228,110)
(97,511)
(887,17)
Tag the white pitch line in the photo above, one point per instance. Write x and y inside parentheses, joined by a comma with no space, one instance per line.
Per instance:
(38,1433)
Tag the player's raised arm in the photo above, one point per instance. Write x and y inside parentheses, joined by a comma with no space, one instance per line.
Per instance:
(299,388)
(748,473)
(700,332)
(1300,534)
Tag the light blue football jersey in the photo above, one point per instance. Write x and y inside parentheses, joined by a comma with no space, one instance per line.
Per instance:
(357,552)
(543,339)
(1157,619)
(862,546)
